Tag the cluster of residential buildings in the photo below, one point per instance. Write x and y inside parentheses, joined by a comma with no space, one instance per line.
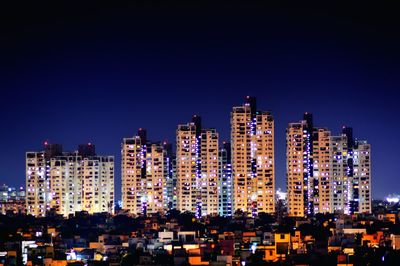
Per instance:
(326,173)
(12,199)
(69,181)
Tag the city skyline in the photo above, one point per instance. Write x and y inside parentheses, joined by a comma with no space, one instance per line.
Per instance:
(278,180)
(335,169)
(78,76)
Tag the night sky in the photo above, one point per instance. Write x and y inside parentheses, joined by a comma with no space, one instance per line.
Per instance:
(73,73)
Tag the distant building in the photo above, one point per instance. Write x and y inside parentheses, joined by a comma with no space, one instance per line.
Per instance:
(186,168)
(12,199)
(326,173)
(253,158)
(341,157)
(156,177)
(11,193)
(132,186)
(69,181)
(320,182)
(98,184)
(197,168)
(225,184)
(209,171)
(170,166)
(147,175)
(38,193)
(351,174)
(362,177)
(299,168)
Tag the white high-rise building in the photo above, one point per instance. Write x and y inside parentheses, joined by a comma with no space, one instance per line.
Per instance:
(362,176)
(326,173)
(209,174)
(146,169)
(321,179)
(186,168)
(225,184)
(156,177)
(297,168)
(98,184)
(131,178)
(351,174)
(66,183)
(69,182)
(253,160)
(197,168)
(341,181)
(38,193)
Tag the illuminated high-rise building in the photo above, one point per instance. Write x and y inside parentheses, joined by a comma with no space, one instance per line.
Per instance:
(170,168)
(341,161)
(38,194)
(362,177)
(156,177)
(324,172)
(38,191)
(146,169)
(66,183)
(131,178)
(197,168)
(321,178)
(209,171)
(352,183)
(351,175)
(307,168)
(264,147)
(69,181)
(98,184)
(297,168)
(253,165)
(225,184)
(186,168)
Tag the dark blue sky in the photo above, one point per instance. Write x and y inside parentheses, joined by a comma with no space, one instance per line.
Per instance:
(77,73)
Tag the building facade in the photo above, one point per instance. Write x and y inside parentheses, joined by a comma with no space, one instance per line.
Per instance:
(362,177)
(320,183)
(209,171)
(156,177)
(298,168)
(326,173)
(170,167)
(38,193)
(253,165)
(68,181)
(225,184)
(98,184)
(197,168)
(341,180)
(186,168)
(132,158)
(147,175)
